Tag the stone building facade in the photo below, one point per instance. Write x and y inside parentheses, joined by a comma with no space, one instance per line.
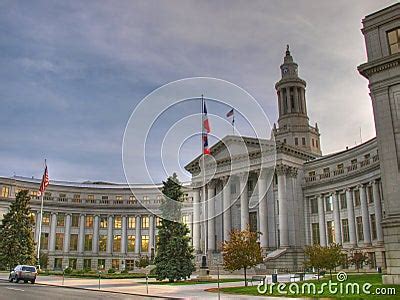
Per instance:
(282,187)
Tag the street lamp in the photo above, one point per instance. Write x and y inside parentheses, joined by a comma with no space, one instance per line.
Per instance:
(65,268)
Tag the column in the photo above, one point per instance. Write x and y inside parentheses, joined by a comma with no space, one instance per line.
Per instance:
(336,218)
(244,201)
(226,216)
(95,241)
(138,237)
(351,218)
(53,231)
(365,215)
(283,221)
(378,211)
(289,104)
(151,234)
(110,236)
(67,232)
(81,236)
(123,234)
(262,208)
(211,217)
(321,219)
(296,100)
(196,219)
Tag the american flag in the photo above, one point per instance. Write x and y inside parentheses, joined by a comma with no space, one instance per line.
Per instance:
(45,182)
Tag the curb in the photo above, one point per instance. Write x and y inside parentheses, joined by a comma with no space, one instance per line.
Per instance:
(103,291)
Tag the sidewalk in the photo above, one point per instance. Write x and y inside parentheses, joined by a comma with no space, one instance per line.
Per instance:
(136,286)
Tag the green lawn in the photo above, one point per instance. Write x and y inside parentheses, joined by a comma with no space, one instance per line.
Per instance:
(194,281)
(374,279)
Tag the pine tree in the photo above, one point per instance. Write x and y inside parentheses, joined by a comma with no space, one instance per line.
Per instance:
(174,256)
(17,245)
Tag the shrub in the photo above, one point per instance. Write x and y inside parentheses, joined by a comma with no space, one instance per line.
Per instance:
(111,271)
(68,270)
(125,271)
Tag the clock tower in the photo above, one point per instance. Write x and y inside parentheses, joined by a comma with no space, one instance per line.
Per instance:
(293,123)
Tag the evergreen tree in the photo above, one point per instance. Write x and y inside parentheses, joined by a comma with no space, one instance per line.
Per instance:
(17,245)
(174,256)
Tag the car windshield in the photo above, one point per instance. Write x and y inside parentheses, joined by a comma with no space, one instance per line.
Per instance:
(29,269)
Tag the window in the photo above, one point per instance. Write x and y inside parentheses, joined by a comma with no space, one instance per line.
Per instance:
(303,141)
(394,40)
(117,222)
(62,197)
(312,142)
(102,243)
(59,241)
(103,222)
(75,220)
(101,264)
(104,197)
(73,242)
(77,198)
(72,263)
(115,264)
(357,201)
(88,242)
(5,191)
(117,243)
(60,220)
(328,203)
(58,263)
(118,198)
(326,170)
(131,222)
(90,199)
(131,243)
(158,221)
(284,141)
(145,243)
(32,217)
(345,230)
(340,166)
(185,219)
(233,188)
(316,143)
(34,194)
(360,232)
(145,222)
(354,162)
(47,196)
(130,264)
(296,141)
(343,201)
(44,241)
(331,232)
(373,226)
(146,199)
(46,218)
(87,263)
(311,173)
(370,194)
(315,233)
(314,205)
(89,221)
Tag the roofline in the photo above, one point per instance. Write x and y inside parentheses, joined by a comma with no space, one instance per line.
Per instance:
(329,156)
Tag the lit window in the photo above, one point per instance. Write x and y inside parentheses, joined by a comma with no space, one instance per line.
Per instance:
(46,218)
(145,222)
(331,232)
(118,198)
(44,241)
(117,222)
(117,243)
(5,191)
(131,243)
(394,40)
(32,217)
(89,222)
(315,233)
(158,221)
(103,222)
(329,203)
(77,198)
(115,264)
(131,222)
(102,243)
(185,219)
(145,243)
(34,194)
(101,264)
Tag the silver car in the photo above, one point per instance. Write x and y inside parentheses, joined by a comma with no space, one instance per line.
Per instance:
(23,272)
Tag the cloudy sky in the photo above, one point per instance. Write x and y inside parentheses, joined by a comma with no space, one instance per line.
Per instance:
(72,72)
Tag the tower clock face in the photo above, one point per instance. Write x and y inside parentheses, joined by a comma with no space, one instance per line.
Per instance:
(285,70)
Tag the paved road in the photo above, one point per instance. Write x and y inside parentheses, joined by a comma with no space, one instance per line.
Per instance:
(25,291)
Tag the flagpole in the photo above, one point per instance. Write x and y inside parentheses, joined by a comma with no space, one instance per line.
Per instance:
(233,121)
(204,178)
(40,224)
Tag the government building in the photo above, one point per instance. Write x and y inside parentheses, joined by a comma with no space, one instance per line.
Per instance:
(296,198)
